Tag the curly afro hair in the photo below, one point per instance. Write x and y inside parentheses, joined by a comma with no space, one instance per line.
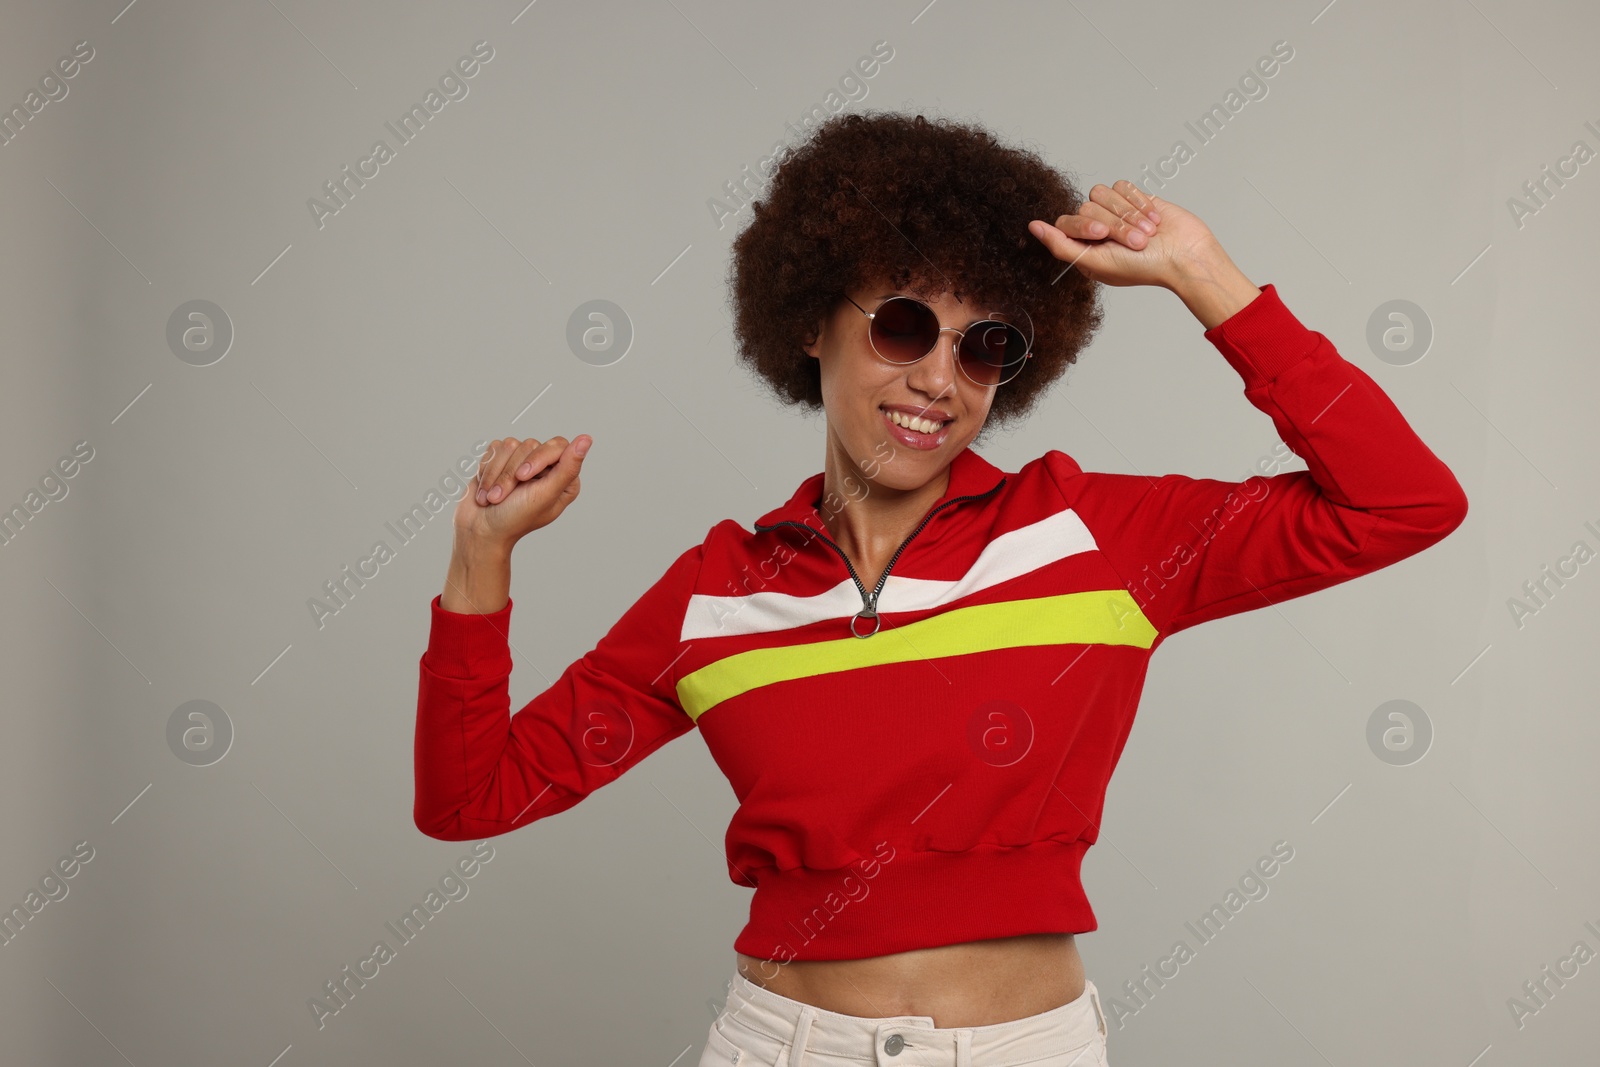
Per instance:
(930,205)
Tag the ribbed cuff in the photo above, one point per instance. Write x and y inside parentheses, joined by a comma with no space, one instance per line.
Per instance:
(1263,339)
(469,646)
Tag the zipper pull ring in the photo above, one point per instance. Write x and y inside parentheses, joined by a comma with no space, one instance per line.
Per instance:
(867,613)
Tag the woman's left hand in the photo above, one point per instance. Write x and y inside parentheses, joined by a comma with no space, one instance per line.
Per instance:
(1120,251)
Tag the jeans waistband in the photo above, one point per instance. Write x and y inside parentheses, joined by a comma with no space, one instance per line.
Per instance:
(767,1025)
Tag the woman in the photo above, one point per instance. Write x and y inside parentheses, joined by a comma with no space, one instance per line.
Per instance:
(919,672)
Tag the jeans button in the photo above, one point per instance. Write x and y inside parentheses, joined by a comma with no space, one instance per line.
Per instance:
(894,1044)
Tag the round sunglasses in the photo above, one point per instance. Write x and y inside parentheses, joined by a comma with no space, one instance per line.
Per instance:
(903,329)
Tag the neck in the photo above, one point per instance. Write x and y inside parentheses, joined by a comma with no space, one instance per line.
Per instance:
(865,516)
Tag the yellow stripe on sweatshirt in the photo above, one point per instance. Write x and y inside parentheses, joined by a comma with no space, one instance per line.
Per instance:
(1094,617)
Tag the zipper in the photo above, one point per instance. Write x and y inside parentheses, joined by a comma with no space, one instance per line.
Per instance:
(869,601)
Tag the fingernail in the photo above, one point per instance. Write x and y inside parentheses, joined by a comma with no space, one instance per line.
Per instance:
(494,495)
(524,470)
(582,447)
(483,498)
(1097,227)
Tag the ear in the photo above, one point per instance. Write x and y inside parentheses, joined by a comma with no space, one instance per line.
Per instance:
(809,345)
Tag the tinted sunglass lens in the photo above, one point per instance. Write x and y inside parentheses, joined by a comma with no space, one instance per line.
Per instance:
(903,330)
(993,352)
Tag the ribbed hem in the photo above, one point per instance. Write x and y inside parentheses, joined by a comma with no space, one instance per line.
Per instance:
(469,646)
(917,900)
(1263,339)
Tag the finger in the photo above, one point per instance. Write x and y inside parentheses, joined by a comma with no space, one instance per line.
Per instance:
(1082,227)
(532,454)
(1119,205)
(1120,228)
(1059,244)
(1115,202)
(571,458)
(533,457)
(522,462)
(1138,198)
(494,462)
(487,464)
(541,460)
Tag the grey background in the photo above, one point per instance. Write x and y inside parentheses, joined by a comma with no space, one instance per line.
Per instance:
(433,309)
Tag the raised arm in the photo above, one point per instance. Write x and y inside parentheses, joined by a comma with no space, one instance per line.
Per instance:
(481,771)
(1194,549)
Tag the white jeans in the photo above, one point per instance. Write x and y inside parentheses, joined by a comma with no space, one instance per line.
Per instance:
(759,1028)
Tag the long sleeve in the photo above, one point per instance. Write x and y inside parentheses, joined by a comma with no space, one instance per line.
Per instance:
(482,772)
(1194,549)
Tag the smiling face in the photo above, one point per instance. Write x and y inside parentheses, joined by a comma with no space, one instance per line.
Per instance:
(901,425)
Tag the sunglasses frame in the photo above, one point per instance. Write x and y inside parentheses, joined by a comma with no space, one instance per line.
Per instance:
(961,336)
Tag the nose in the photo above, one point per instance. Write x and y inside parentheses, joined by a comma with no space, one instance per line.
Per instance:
(935,373)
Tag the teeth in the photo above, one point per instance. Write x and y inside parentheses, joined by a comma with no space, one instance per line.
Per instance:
(900,418)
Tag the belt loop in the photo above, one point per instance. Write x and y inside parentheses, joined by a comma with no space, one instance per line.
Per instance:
(797,1050)
(963,1048)
(1100,1015)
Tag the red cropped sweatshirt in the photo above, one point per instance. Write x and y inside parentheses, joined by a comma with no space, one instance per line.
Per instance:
(924,763)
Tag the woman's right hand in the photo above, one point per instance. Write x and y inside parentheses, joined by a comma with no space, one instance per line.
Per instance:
(521,485)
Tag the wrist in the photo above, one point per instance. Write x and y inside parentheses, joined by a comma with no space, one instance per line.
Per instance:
(1212,287)
(478,581)
(477,552)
